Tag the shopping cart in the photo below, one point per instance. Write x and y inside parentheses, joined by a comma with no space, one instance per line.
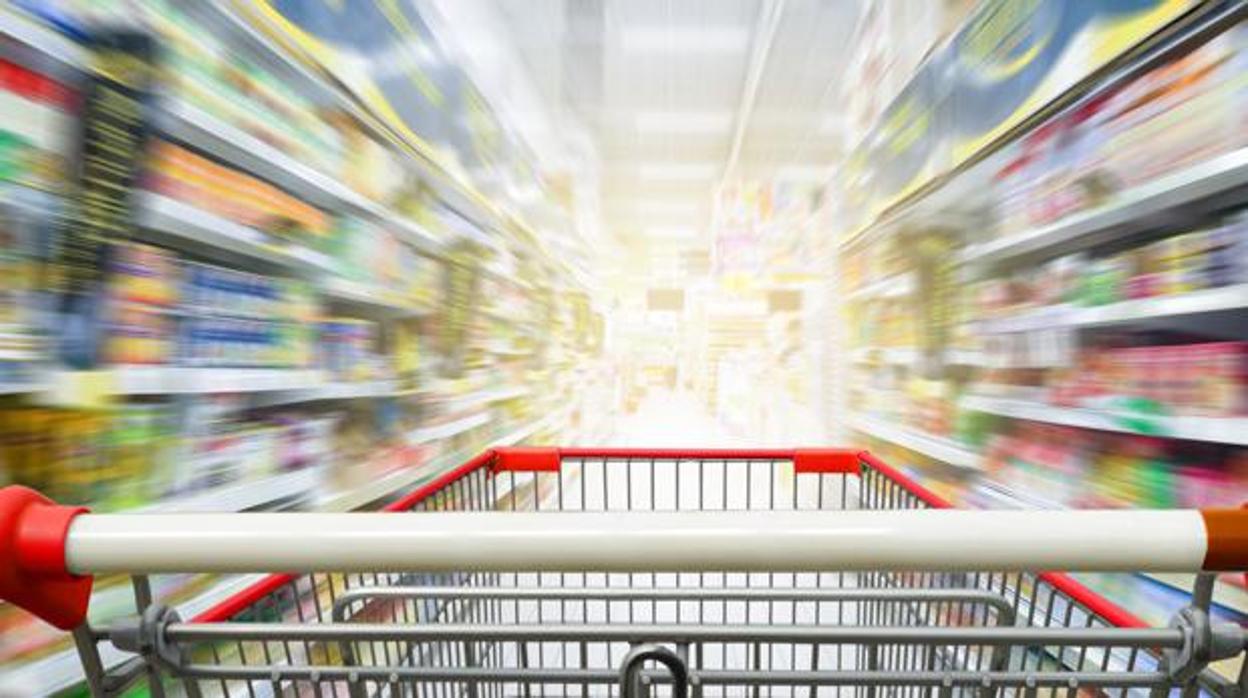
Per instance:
(600,572)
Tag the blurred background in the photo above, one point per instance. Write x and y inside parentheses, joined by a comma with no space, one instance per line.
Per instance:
(266,254)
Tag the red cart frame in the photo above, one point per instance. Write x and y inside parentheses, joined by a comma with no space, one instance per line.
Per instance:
(569,571)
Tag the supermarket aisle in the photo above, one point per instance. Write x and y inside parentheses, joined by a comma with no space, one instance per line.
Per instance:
(675,418)
(671,419)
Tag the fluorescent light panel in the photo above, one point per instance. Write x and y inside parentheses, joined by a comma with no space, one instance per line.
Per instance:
(804,173)
(669,39)
(677,170)
(671,231)
(832,123)
(694,122)
(668,207)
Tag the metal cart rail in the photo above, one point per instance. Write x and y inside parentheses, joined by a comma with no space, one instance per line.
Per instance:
(637,572)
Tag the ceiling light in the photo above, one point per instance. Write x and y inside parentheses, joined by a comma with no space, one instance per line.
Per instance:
(803,173)
(701,122)
(677,170)
(832,123)
(668,207)
(671,231)
(668,39)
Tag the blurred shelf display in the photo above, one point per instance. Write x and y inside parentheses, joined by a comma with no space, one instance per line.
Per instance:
(184,122)
(244,496)
(301,308)
(886,355)
(28,31)
(1074,321)
(487,396)
(891,287)
(183,224)
(333,390)
(941,449)
(371,299)
(1134,210)
(62,670)
(1228,430)
(406,478)
(76,387)
(1141,310)
(448,429)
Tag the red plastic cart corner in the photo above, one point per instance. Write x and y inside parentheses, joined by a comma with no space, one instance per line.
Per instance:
(33,575)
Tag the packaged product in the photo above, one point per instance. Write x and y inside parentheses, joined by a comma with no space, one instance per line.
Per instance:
(143,274)
(138,334)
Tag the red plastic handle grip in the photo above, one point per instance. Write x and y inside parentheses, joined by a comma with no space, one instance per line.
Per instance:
(33,576)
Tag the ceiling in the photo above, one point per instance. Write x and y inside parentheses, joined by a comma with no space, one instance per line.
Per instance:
(677,96)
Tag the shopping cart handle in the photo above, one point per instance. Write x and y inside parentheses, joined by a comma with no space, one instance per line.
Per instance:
(33,576)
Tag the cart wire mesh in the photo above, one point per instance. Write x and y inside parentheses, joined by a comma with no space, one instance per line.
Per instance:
(714,633)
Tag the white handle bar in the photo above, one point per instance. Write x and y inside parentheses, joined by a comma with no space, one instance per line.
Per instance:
(929,540)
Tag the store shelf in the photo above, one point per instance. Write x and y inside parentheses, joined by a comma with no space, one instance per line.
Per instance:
(399,480)
(485,397)
(1134,210)
(336,390)
(20,387)
(967,357)
(243,495)
(370,299)
(1228,596)
(235,146)
(1012,498)
(63,670)
(941,449)
(1133,311)
(894,286)
(524,432)
(406,478)
(59,49)
(86,387)
(243,150)
(508,351)
(185,122)
(456,193)
(886,355)
(906,356)
(1228,430)
(446,430)
(187,227)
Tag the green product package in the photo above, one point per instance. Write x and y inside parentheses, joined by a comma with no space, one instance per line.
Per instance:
(14,152)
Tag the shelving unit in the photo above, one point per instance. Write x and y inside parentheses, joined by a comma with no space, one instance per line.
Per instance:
(428,212)
(405,479)
(890,287)
(184,226)
(63,670)
(332,390)
(78,387)
(1135,210)
(245,495)
(885,355)
(485,397)
(944,450)
(186,123)
(1226,430)
(448,429)
(1151,310)
(1129,293)
(369,300)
